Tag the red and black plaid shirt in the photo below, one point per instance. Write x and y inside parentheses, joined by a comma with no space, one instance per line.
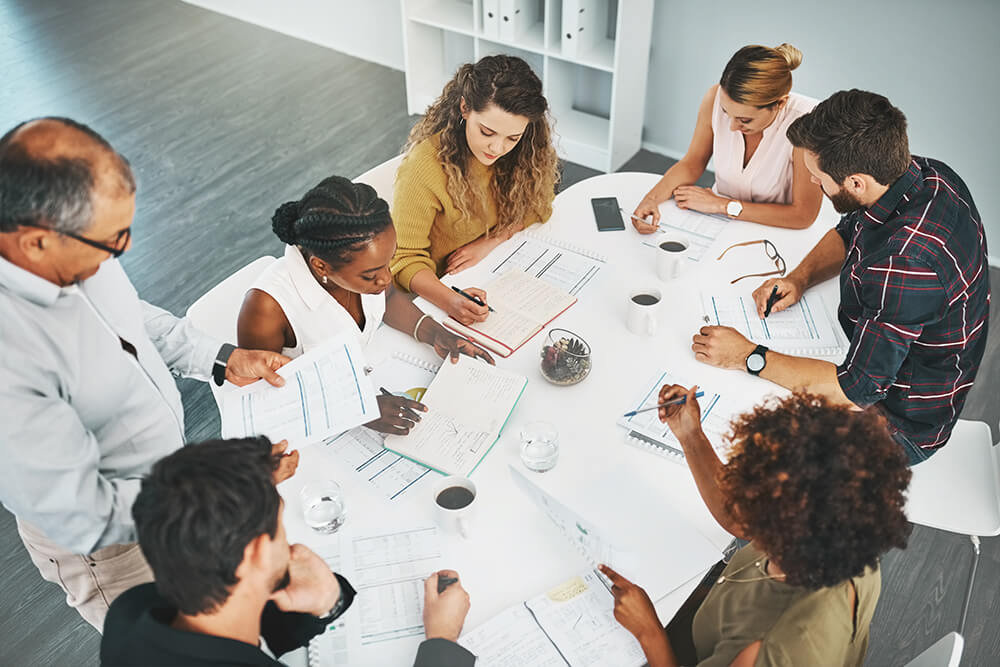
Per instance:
(914,300)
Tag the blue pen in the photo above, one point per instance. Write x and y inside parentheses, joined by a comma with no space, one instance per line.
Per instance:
(676,401)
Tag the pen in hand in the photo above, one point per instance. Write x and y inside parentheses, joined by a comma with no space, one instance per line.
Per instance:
(445,582)
(771,300)
(474,299)
(676,401)
(404,411)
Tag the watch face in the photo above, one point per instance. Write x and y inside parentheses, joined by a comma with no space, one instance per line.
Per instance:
(755,362)
(734,208)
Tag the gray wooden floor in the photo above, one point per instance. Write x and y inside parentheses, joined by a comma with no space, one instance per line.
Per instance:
(223,121)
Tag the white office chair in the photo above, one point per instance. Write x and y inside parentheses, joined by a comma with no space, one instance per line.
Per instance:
(215,312)
(958,490)
(382,177)
(945,652)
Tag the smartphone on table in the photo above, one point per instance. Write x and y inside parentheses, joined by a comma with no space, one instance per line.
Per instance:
(608,214)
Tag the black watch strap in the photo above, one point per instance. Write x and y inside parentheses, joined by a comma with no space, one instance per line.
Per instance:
(221,361)
(760,351)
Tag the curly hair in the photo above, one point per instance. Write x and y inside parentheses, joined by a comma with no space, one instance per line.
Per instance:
(333,220)
(818,487)
(525,178)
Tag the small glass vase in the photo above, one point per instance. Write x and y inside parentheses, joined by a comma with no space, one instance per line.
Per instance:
(565,358)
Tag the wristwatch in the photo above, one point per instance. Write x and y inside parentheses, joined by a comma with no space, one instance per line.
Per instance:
(734,208)
(221,361)
(756,360)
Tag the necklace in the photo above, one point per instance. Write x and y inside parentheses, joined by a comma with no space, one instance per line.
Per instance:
(724,578)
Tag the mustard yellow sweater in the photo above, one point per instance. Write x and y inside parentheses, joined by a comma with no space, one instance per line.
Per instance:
(428,226)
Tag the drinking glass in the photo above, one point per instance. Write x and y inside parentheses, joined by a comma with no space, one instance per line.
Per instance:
(539,446)
(323,506)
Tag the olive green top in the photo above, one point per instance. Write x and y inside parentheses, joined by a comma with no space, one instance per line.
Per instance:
(796,626)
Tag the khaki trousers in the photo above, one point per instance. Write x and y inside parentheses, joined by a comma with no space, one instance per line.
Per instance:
(91,582)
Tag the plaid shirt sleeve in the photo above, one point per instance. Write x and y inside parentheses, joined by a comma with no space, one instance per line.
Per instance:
(898,297)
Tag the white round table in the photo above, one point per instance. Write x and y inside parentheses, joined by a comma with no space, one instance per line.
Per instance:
(514,552)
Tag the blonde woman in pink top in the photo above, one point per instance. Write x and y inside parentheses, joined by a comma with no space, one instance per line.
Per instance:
(759,175)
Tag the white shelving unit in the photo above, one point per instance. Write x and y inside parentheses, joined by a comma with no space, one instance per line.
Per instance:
(597,96)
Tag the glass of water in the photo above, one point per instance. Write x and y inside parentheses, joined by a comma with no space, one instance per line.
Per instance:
(539,446)
(323,506)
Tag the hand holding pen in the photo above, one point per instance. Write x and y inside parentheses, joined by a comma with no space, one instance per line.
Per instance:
(683,417)
(467,306)
(777,294)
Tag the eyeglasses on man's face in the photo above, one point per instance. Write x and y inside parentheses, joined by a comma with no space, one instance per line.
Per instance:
(116,248)
(772,253)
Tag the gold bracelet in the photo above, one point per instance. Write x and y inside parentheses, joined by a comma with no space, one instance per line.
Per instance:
(417,328)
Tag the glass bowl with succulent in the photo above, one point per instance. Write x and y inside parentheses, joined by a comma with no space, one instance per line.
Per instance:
(565,357)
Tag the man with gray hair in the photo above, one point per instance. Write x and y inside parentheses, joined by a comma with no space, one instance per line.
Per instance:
(87,396)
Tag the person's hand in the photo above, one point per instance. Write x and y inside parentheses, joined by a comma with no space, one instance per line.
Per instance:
(447,344)
(699,199)
(646,208)
(633,608)
(471,254)
(399,414)
(684,419)
(312,588)
(723,347)
(464,310)
(287,463)
(444,613)
(246,366)
(789,292)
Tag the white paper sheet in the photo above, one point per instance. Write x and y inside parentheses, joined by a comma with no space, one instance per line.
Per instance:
(325,392)
(560,267)
(364,452)
(700,229)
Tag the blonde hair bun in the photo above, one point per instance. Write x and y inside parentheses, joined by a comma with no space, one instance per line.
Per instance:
(791,54)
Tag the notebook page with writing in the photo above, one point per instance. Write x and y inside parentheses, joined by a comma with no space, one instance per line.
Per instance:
(807,328)
(468,404)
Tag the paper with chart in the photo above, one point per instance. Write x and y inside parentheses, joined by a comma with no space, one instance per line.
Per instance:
(326,392)
(624,524)
(571,624)
(715,415)
(700,229)
(523,305)
(468,404)
(363,450)
(387,569)
(808,327)
(565,267)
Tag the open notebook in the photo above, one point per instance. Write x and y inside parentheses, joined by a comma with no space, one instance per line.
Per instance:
(468,404)
(807,328)
(523,306)
(572,624)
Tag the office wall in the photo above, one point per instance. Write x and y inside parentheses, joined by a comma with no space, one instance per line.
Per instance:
(937,61)
(368,29)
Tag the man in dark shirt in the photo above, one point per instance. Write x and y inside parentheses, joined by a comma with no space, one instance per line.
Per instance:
(914,279)
(209,522)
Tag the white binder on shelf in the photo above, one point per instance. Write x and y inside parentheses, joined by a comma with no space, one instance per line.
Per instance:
(516,16)
(491,19)
(583,25)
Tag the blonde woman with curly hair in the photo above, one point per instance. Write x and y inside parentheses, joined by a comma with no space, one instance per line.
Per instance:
(479,167)
(742,121)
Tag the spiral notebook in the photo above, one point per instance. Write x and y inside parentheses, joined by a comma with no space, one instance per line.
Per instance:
(523,306)
(564,265)
(808,328)
(647,432)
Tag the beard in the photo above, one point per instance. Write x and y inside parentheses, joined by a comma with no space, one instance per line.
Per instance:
(845,202)
(282,581)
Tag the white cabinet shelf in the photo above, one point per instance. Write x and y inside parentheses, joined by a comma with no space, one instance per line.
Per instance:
(596,92)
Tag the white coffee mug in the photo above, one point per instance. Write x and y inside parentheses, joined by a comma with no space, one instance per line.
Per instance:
(642,306)
(455,504)
(671,256)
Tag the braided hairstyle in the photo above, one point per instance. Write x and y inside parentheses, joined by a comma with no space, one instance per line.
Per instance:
(333,221)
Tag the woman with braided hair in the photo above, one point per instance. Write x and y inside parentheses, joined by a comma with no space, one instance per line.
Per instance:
(479,166)
(335,277)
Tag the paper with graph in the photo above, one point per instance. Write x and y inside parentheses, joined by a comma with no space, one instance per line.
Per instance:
(562,265)
(806,328)
(700,229)
(326,392)
(572,624)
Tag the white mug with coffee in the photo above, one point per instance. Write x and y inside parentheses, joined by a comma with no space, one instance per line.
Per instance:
(454,504)
(671,256)
(642,305)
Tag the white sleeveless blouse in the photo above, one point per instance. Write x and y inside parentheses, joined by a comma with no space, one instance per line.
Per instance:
(767,178)
(315,316)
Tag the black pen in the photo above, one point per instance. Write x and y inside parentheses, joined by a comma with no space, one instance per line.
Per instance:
(770,301)
(413,415)
(445,582)
(474,299)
